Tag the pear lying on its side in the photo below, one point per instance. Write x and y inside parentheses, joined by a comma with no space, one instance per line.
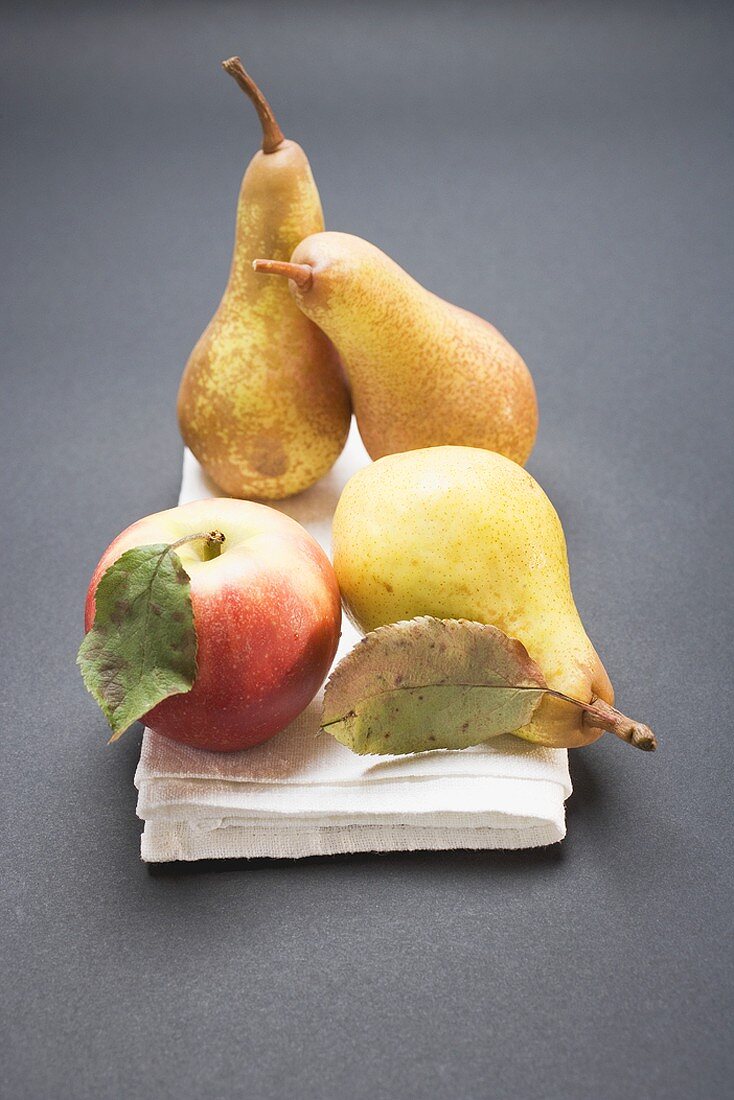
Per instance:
(462,533)
(423,372)
(263,403)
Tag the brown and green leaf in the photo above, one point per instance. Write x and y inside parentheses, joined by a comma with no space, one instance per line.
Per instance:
(142,645)
(430,684)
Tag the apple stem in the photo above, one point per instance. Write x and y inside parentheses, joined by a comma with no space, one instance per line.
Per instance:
(301,274)
(273,136)
(213,539)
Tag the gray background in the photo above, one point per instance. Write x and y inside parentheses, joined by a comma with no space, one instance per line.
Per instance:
(564,169)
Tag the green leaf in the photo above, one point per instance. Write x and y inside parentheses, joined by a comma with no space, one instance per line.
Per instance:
(142,645)
(430,684)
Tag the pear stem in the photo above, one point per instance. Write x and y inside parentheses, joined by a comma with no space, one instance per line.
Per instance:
(601,716)
(301,274)
(273,136)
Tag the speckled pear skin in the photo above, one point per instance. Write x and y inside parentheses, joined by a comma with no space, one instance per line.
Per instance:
(423,372)
(263,402)
(458,532)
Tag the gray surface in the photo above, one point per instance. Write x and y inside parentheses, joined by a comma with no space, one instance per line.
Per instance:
(565,170)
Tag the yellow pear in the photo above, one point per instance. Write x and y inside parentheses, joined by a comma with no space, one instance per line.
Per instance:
(462,533)
(263,402)
(423,372)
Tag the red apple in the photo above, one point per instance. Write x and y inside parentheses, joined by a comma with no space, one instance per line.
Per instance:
(267,614)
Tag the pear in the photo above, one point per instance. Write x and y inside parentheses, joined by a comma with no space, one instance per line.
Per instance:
(263,402)
(423,372)
(462,533)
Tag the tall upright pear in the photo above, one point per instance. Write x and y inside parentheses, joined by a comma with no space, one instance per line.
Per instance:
(423,372)
(263,402)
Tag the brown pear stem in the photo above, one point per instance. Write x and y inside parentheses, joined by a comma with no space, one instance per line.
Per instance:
(301,274)
(600,715)
(273,136)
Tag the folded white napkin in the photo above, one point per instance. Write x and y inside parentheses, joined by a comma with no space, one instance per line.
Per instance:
(300,794)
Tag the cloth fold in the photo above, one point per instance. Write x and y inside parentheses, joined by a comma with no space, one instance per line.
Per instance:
(303,794)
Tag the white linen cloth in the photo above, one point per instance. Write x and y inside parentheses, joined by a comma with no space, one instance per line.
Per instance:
(301,795)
